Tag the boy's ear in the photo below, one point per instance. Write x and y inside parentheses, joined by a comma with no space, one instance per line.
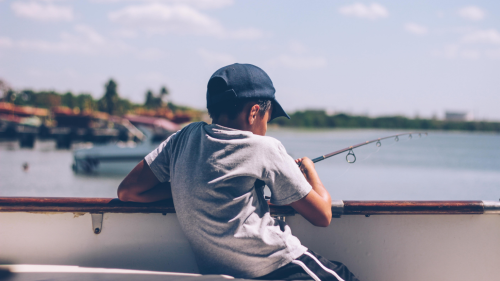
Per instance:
(254,110)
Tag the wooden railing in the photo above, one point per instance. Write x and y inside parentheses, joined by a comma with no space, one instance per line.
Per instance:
(110,205)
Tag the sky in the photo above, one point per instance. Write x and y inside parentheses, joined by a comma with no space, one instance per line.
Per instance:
(411,58)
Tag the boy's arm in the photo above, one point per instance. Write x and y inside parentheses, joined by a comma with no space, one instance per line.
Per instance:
(316,206)
(141,185)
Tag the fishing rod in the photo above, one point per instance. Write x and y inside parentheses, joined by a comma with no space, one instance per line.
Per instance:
(350,148)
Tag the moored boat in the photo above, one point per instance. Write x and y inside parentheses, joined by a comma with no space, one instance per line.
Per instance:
(121,157)
(118,157)
(377,240)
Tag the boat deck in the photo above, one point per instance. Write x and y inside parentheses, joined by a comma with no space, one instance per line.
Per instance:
(29,272)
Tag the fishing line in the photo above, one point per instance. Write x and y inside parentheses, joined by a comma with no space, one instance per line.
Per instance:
(370,155)
(346,171)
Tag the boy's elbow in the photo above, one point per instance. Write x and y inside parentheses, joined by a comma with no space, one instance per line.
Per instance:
(123,193)
(323,222)
(324,219)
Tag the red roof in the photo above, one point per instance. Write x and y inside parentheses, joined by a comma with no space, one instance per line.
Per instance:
(153,121)
(8,108)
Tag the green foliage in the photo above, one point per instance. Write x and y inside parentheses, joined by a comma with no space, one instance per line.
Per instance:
(68,100)
(175,107)
(43,99)
(150,99)
(319,119)
(49,99)
(164,92)
(124,106)
(109,102)
(86,102)
(154,102)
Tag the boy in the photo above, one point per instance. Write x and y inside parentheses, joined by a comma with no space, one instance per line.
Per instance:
(216,175)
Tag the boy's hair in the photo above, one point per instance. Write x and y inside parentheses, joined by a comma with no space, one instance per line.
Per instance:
(233,107)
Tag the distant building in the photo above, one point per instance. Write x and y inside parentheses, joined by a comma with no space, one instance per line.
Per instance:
(458,116)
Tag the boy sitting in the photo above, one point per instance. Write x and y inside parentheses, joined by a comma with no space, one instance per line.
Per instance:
(216,176)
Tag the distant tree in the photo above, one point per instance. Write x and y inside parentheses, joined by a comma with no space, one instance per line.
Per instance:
(124,106)
(85,102)
(10,96)
(155,102)
(4,90)
(46,99)
(164,93)
(25,97)
(69,100)
(149,99)
(109,102)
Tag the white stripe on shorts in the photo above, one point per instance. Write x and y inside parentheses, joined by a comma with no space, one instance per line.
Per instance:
(324,267)
(307,270)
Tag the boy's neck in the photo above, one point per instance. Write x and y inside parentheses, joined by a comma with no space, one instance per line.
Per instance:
(231,123)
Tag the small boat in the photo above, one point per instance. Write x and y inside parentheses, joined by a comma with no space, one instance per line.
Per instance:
(377,240)
(121,157)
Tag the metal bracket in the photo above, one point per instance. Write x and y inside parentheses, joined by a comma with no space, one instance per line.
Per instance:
(96,223)
(337,208)
(491,207)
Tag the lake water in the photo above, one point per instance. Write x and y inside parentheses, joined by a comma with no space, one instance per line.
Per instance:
(441,166)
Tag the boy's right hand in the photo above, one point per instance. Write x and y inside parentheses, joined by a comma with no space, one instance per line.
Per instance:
(316,206)
(306,166)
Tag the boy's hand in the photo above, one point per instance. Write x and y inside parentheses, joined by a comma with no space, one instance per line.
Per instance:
(141,185)
(306,166)
(316,207)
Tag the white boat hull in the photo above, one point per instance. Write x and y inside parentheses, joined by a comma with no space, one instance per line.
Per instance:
(377,248)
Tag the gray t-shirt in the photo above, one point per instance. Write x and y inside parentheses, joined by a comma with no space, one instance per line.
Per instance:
(215,174)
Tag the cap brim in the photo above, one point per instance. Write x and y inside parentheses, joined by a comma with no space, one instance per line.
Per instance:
(278,111)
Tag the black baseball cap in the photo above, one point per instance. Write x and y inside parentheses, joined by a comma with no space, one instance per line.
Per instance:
(242,81)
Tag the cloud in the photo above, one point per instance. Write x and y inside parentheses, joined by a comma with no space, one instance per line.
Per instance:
(83,40)
(415,28)
(199,4)
(372,11)
(299,62)
(297,48)
(157,18)
(456,51)
(206,4)
(474,45)
(214,58)
(494,54)
(246,34)
(297,58)
(470,54)
(488,36)
(472,13)
(6,42)
(151,54)
(42,11)
(160,18)
(126,33)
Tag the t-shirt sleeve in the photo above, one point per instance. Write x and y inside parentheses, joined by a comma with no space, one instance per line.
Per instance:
(284,178)
(159,159)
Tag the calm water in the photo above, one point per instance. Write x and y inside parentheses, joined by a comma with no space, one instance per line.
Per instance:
(442,166)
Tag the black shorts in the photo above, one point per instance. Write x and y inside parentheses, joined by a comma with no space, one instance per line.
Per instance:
(311,266)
